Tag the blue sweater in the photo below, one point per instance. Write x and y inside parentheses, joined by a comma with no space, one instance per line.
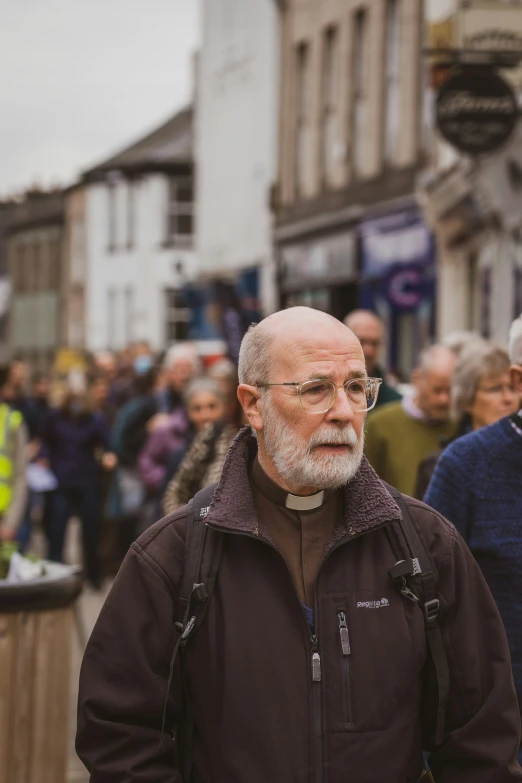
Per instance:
(477,485)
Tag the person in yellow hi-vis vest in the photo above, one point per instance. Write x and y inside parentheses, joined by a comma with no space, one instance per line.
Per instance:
(13,466)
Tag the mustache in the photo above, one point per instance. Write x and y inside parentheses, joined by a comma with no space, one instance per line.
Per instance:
(345,436)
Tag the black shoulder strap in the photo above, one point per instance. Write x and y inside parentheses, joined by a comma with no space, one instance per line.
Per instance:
(203,548)
(194,584)
(416,576)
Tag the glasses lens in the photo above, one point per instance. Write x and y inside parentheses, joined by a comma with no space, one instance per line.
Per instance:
(362,394)
(316,396)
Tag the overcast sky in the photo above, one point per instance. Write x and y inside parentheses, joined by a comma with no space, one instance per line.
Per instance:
(79,80)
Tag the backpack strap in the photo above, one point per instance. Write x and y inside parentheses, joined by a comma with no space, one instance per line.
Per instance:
(203,548)
(416,576)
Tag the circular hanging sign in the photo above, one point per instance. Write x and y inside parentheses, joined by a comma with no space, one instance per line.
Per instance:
(476,111)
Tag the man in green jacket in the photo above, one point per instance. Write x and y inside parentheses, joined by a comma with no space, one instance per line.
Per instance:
(400,435)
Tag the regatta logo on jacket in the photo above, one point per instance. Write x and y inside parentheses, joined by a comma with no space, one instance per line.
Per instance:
(373,604)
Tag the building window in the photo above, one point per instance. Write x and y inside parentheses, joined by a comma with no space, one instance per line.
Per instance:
(78,251)
(111,216)
(392,80)
(131,214)
(177,316)
(111,318)
(330,104)
(36,280)
(181,210)
(360,92)
(129,315)
(54,264)
(20,270)
(302,130)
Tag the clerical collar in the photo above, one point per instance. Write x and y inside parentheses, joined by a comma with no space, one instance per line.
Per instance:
(278,495)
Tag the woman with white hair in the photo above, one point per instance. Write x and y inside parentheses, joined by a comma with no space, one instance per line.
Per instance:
(482,393)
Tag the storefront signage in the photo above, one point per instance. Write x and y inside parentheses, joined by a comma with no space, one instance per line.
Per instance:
(324,261)
(476,111)
(395,241)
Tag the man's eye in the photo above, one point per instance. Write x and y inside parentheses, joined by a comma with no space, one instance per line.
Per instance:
(316,389)
(357,387)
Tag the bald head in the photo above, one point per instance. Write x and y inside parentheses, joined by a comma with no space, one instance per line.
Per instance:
(369,330)
(432,381)
(295,331)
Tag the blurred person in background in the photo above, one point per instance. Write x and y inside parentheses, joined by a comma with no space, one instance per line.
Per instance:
(401,434)
(41,389)
(16,395)
(13,463)
(76,443)
(482,392)
(99,394)
(166,446)
(369,330)
(204,459)
(151,411)
(38,493)
(477,485)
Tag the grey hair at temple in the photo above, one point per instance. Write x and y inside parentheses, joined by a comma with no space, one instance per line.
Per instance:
(254,356)
(515,341)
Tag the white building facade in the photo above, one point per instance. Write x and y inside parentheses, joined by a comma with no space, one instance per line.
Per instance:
(236,141)
(134,253)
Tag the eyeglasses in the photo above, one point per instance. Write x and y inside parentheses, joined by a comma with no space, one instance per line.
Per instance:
(318,396)
(498,390)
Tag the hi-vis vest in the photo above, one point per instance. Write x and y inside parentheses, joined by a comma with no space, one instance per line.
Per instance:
(10,422)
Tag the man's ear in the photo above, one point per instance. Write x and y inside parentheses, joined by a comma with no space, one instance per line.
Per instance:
(250,400)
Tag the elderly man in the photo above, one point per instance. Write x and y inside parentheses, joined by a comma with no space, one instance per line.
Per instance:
(309,665)
(369,330)
(477,485)
(401,435)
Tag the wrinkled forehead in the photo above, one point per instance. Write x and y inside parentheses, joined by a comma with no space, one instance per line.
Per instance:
(338,355)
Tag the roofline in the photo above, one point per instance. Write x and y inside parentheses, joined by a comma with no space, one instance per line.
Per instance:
(106,166)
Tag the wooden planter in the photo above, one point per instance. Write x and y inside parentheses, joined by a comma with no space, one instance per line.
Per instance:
(35,648)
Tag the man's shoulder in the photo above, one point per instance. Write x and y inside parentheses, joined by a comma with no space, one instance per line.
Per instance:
(162,546)
(438,533)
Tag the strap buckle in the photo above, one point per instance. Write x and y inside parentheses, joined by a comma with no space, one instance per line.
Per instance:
(431,610)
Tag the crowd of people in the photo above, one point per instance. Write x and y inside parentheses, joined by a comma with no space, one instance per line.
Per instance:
(112,444)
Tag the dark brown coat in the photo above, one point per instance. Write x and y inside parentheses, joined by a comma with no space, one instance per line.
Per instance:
(258,715)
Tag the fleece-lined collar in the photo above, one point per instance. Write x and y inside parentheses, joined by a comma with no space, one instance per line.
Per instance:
(367,504)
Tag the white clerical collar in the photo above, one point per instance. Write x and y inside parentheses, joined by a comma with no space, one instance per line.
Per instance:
(308,503)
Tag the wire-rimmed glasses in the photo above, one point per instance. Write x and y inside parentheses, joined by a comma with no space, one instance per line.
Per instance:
(318,396)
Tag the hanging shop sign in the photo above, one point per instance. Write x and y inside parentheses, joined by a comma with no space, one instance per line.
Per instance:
(476,110)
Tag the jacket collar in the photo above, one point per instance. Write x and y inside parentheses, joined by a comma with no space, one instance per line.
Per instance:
(367,503)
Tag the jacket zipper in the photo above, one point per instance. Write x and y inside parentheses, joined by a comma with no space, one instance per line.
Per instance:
(317,718)
(346,669)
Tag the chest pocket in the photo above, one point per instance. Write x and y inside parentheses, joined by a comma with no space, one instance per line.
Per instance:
(373,650)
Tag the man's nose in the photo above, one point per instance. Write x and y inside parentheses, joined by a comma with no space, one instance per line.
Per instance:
(342,409)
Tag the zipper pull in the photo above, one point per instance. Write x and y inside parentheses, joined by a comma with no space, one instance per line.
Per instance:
(343,633)
(316,660)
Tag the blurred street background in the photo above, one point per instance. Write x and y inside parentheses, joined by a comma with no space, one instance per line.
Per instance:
(172,173)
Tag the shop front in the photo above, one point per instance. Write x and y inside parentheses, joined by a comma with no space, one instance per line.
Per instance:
(320,273)
(398,281)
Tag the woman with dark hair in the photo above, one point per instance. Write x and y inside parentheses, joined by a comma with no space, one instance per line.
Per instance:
(76,442)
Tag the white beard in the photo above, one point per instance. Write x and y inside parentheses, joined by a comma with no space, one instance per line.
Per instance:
(296,460)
